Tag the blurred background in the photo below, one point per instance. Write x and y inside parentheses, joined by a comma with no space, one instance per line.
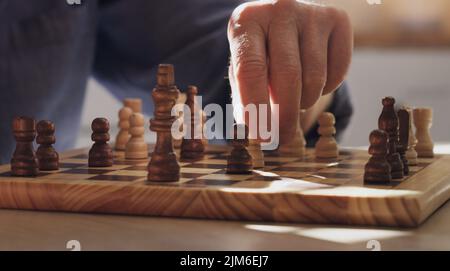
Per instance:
(402,49)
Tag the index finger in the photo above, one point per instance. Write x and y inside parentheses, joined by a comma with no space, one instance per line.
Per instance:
(248,68)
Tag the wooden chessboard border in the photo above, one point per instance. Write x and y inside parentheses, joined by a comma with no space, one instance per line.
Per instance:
(303,196)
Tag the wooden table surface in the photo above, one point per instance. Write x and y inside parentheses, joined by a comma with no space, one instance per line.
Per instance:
(25,230)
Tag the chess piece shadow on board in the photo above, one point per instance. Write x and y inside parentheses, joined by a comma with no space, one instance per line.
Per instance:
(24,162)
(163,165)
(388,122)
(192,148)
(239,161)
(47,156)
(377,170)
(100,154)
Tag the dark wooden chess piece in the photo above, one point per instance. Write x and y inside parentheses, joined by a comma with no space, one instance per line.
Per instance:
(239,161)
(388,122)
(24,162)
(403,117)
(163,165)
(100,155)
(378,170)
(46,154)
(192,148)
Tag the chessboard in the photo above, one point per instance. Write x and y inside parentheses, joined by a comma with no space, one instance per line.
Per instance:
(288,189)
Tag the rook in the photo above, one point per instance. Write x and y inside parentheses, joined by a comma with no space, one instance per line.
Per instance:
(24,162)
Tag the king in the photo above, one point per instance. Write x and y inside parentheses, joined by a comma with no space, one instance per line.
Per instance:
(163,165)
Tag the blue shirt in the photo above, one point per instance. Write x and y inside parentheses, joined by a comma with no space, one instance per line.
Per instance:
(49,49)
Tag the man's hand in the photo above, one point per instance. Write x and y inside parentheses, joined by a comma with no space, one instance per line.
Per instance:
(287,52)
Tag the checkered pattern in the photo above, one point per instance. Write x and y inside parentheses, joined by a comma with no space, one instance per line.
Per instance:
(285,171)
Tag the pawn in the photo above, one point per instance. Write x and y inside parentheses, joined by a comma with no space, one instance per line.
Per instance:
(411,154)
(402,147)
(326,146)
(100,155)
(181,100)
(377,169)
(254,148)
(134,103)
(124,124)
(46,154)
(239,161)
(296,145)
(24,162)
(192,148)
(423,118)
(136,147)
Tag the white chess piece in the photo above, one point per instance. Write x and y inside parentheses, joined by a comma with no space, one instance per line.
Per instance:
(124,124)
(296,146)
(411,154)
(326,146)
(423,118)
(254,148)
(180,101)
(136,147)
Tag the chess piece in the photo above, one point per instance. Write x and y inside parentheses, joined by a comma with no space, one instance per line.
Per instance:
(388,122)
(191,147)
(180,119)
(136,147)
(377,169)
(403,128)
(254,148)
(47,156)
(205,136)
(326,146)
(163,165)
(411,154)
(24,162)
(100,154)
(134,103)
(423,118)
(124,125)
(239,161)
(296,145)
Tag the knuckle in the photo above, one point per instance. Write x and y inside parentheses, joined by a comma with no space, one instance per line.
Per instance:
(251,67)
(243,14)
(338,15)
(285,5)
(288,71)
